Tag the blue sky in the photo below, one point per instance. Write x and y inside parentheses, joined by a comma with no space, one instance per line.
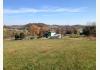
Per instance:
(61,12)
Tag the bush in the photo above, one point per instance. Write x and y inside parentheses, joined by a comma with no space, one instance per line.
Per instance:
(32,37)
(22,36)
(19,36)
(74,36)
(89,30)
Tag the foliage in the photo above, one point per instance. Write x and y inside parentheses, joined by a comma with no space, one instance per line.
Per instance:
(7,33)
(39,29)
(74,36)
(19,36)
(22,35)
(89,30)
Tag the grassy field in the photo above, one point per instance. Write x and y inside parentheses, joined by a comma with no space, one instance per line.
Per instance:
(50,54)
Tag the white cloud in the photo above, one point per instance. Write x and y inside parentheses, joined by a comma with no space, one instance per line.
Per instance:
(33,10)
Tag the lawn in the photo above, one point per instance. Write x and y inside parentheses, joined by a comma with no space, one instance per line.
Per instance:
(50,54)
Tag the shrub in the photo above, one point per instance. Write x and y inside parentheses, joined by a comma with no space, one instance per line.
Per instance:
(89,30)
(22,36)
(74,36)
(17,37)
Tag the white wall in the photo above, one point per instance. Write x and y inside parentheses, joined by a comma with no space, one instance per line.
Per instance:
(53,33)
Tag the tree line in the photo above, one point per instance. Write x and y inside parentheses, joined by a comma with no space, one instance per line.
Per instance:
(41,30)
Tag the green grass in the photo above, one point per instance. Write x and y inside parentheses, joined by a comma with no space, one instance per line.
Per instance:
(51,54)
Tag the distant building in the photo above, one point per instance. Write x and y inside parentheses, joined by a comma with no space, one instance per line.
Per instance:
(54,35)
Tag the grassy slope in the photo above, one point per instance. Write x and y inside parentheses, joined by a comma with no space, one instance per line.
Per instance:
(59,54)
